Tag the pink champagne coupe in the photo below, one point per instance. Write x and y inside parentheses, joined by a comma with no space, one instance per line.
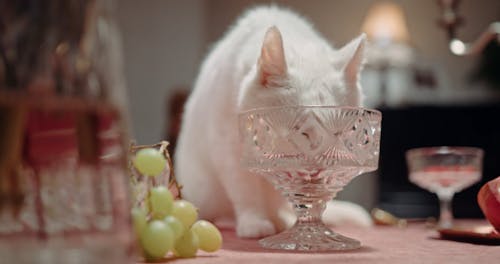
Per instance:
(444,171)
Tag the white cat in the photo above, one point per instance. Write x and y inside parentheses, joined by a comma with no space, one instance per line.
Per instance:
(270,57)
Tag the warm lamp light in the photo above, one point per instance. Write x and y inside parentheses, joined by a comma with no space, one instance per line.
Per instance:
(385,23)
(389,43)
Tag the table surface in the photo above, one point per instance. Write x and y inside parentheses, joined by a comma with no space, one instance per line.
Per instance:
(415,243)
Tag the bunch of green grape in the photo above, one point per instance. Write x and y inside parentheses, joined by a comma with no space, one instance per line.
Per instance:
(167,225)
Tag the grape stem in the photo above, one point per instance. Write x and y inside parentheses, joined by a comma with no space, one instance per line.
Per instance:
(163,149)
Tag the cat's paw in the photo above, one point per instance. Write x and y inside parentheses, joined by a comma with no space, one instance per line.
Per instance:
(254,227)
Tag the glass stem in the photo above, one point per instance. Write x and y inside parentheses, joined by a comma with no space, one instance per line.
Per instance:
(445,213)
(309,212)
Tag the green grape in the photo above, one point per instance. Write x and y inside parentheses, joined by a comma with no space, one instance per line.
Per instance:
(176,226)
(160,202)
(139,220)
(157,239)
(149,161)
(185,212)
(187,245)
(209,236)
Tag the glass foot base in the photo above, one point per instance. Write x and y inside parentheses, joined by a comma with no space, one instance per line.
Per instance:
(309,237)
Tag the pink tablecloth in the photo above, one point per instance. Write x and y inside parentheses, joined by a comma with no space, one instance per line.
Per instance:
(413,244)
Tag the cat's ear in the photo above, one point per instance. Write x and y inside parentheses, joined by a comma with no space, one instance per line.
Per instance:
(272,64)
(351,59)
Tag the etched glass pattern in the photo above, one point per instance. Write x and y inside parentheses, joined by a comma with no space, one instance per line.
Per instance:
(310,153)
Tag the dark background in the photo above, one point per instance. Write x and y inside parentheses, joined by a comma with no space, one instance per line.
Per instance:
(406,128)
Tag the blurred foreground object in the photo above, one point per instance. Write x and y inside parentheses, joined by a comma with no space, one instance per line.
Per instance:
(63,188)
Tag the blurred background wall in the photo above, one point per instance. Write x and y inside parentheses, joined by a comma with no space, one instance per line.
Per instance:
(163,41)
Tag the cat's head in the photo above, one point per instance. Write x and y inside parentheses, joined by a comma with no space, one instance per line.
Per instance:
(314,76)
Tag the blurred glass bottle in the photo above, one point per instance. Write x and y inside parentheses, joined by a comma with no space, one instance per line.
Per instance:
(63,183)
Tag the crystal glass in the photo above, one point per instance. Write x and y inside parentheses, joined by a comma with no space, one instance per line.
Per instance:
(444,171)
(309,153)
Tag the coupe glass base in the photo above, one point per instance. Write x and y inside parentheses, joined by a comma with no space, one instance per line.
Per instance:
(309,237)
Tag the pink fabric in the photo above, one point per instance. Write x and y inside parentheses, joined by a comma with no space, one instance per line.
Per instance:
(413,244)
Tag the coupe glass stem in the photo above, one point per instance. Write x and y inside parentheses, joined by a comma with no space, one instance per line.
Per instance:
(309,212)
(445,213)
(309,233)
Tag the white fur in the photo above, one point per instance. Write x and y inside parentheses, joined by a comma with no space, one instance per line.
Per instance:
(251,68)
